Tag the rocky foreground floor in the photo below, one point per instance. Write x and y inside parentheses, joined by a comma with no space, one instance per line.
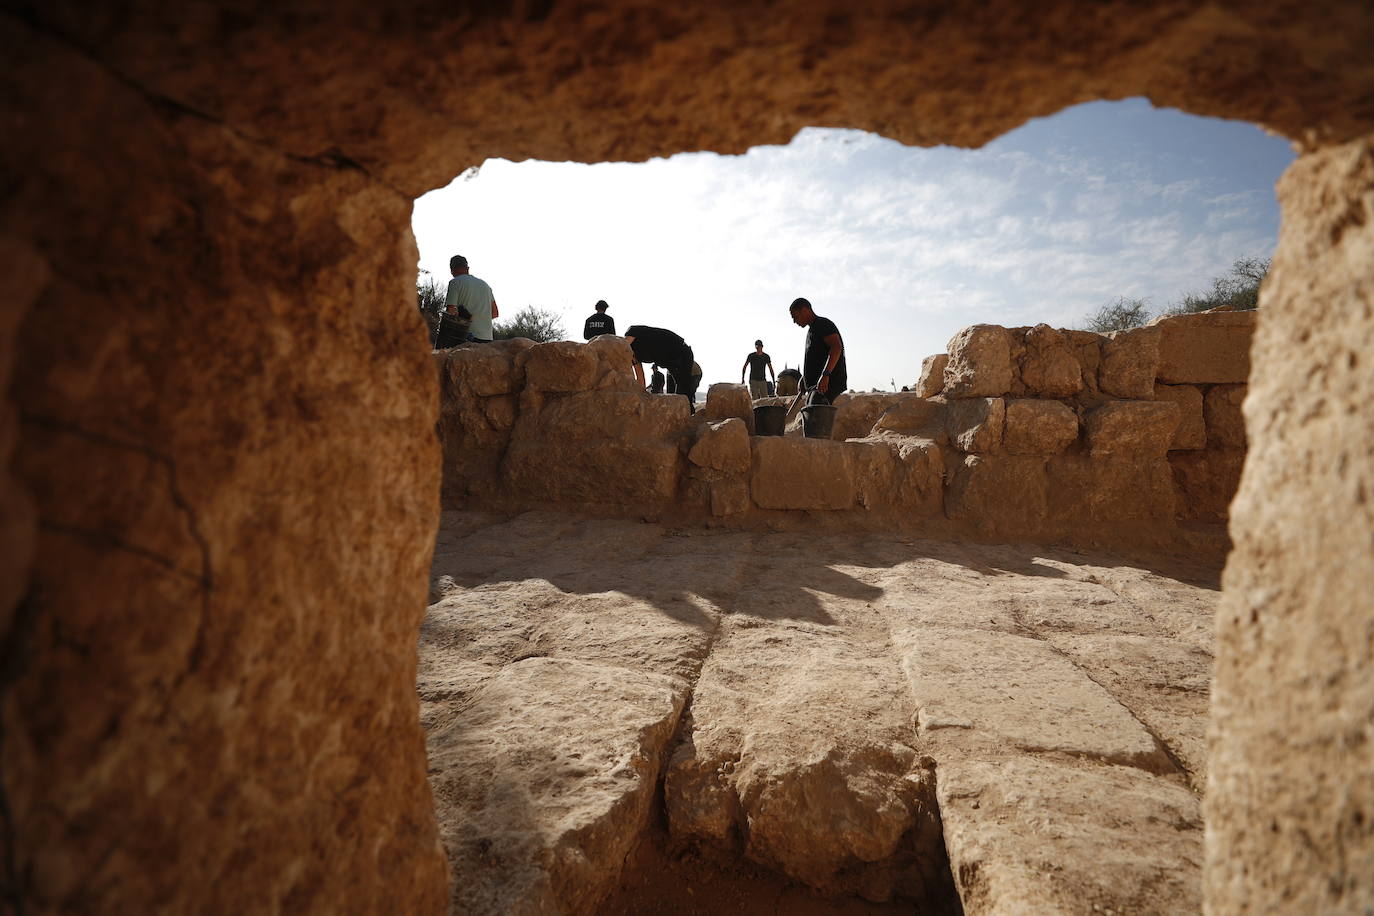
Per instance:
(627,718)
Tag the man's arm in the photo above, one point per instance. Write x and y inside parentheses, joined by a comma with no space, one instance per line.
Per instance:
(743,369)
(771,372)
(495,312)
(639,367)
(836,348)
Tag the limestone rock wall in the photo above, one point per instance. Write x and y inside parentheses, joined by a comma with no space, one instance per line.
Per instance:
(208,697)
(1034,447)
(1290,805)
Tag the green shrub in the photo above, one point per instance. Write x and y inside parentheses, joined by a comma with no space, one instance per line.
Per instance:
(537,324)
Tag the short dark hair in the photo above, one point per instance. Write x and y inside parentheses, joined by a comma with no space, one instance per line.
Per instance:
(457,262)
(758,343)
(601,305)
(799,303)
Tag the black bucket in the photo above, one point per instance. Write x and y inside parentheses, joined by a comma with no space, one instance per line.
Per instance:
(769,419)
(818,421)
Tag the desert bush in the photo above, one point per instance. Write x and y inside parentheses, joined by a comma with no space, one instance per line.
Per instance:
(1118,315)
(532,322)
(430,295)
(1237,288)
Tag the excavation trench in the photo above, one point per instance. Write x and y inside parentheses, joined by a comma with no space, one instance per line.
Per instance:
(671,878)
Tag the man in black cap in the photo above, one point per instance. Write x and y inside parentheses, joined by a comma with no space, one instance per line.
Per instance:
(659,345)
(755,363)
(823,365)
(599,323)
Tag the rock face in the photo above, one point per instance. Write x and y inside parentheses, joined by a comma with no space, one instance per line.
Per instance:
(241,460)
(229,491)
(1294,678)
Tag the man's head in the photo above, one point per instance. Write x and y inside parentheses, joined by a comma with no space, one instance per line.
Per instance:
(801,312)
(758,346)
(458,264)
(601,305)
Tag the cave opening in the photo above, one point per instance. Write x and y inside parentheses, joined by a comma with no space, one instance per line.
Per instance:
(1106,204)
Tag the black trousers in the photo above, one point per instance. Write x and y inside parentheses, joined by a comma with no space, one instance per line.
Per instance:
(680,378)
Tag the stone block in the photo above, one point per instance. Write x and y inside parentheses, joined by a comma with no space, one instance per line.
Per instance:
(903,476)
(855,414)
(485,370)
(1191,432)
(1036,427)
(932,380)
(1132,428)
(615,363)
(1110,487)
(975,424)
(561,365)
(999,493)
(1225,422)
(1130,360)
(1209,348)
(729,496)
(500,412)
(1205,482)
(1087,350)
(912,416)
(1046,364)
(562,449)
(796,473)
(723,446)
(725,400)
(980,363)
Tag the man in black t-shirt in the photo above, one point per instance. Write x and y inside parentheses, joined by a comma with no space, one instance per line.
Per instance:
(755,363)
(823,365)
(659,345)
(599,323)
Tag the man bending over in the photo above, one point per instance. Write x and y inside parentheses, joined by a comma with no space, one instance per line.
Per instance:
(659,345)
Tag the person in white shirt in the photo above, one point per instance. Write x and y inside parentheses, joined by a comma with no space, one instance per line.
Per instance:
(466,292)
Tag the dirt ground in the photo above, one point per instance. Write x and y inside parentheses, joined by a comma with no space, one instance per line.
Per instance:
(624,717)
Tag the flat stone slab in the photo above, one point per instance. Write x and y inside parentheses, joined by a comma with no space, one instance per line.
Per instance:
(871,716)
(1029,835)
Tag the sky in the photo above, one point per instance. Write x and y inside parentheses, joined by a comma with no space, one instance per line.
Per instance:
(899,246)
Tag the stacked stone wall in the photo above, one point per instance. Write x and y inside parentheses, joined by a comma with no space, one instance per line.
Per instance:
(1030,432)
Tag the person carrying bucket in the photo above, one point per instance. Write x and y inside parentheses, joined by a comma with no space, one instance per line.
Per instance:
(823,363)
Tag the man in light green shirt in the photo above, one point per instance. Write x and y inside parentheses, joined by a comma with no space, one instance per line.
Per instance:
(468,292)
